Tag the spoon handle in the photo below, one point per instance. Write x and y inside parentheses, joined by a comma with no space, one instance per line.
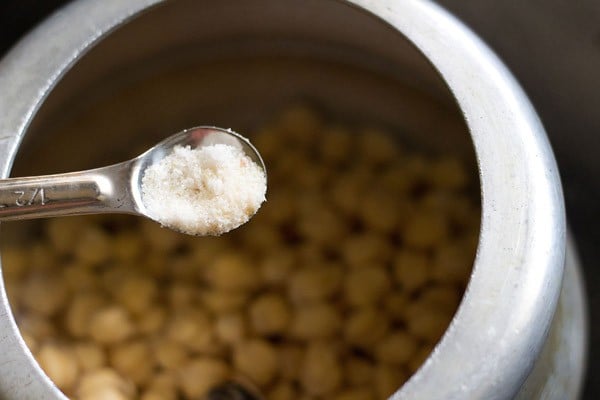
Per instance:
(86,192)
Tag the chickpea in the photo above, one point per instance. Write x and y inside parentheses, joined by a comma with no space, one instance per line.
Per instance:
(131,360)
(270,314)
(425,230)
(282,391)
(169,354)
(395,305)
(60,364)
(30,341)
(316,321)
(448,173)
(63,233)
(203,256)
(152,320)
(290,361)
(280,209)
(89,355)
(232,272)
(310,177)
(382,212)
(41,256)
(193,329)
(362,250)
(159,239)
(104,384)
(321,372)
(127,246)
(181,294)
(427,323)
(286,168)
(80,312)
(397,179)
(388,379)
(377,146)
(310,254)
(416,167)
(78,277)
(313,284)
(397,348)
(44,294)
(162,387)
(37,326)
(276,266)
(419,357)
(110,325)
(358,371)
(319,223)
(181,268)
(14,263)
(199,375)
(335,145)
(452,263)
(299,123)
(365,327)
(231,328)
(365,286)
(258,238)
(441,297)
(93,246)
(257,360)
(412,269)
(346,192)
(224,301)
(136,293)
(270,143)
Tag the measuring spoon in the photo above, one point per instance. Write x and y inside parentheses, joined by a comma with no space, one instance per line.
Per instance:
(112,189)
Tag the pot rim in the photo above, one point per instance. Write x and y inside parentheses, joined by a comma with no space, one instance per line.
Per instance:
(509,303)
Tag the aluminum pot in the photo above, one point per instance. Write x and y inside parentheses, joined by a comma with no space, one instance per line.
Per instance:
(520,328)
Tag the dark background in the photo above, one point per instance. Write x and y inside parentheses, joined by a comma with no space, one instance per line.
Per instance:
(553,48)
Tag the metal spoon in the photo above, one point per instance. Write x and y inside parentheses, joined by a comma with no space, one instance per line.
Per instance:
(112,189)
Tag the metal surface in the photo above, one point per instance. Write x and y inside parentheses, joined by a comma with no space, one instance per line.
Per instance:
(500,330)
(113,189)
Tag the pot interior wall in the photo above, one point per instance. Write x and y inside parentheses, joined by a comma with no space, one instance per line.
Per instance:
(228,64)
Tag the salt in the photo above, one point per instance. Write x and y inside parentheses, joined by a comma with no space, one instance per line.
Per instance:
(208,190)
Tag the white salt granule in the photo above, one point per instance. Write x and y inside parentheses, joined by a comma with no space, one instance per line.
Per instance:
(209,190)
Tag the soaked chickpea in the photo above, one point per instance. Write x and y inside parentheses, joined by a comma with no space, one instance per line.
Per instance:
(316,321)
(365,327)
(321,372)
(60,363)
(131,360)
(270,314)
(256,359)
(200,375)
(104,383)
(283,391)
(339,288)
(231,328)
(366,286)
(90,356)
(110,325)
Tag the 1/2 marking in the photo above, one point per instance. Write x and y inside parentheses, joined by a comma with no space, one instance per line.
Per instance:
(23,201)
